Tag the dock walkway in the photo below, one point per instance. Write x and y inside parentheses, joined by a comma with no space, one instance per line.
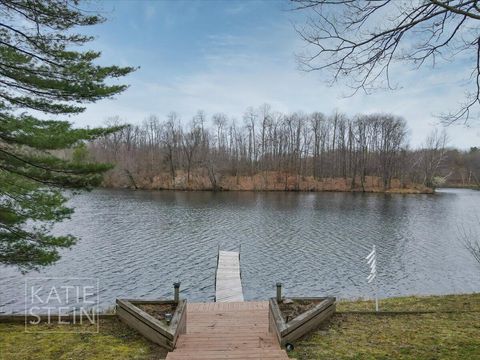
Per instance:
(227,330)
(228,284)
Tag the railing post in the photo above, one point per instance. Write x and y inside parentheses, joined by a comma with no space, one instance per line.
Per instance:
(279,292)
(176,288)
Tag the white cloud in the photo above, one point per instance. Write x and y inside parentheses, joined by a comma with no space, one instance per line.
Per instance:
(237,71)
(222,90)
(150,11)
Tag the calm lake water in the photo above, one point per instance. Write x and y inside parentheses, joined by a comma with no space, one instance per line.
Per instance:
(137,243)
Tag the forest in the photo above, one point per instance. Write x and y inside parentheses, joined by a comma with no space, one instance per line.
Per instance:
(269,150)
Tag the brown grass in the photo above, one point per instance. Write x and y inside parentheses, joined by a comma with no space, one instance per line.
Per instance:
(294,308)
(265,181)
(158,311)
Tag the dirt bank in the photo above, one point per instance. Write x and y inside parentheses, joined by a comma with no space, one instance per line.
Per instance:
(265,181)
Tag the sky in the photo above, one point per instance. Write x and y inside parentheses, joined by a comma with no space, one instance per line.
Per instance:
(224,56)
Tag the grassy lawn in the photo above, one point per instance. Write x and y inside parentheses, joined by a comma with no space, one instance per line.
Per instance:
(114,341)
(452,331)
(439,335)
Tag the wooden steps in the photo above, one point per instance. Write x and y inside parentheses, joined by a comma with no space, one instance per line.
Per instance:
(232,354)
(220,341)
(227,330)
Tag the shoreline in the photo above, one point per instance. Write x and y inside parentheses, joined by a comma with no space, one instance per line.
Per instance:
(418,302)
(220,190)
(269,181)
(460,186)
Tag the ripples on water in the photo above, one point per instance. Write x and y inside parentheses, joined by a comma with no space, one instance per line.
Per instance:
(137,243)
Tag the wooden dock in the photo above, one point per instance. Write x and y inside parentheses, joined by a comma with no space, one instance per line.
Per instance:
(228,283)
(227,330)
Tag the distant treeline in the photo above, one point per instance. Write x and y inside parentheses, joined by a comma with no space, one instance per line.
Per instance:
(170,153)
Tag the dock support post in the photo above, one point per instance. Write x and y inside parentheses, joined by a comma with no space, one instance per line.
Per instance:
(279,292)
(176,288)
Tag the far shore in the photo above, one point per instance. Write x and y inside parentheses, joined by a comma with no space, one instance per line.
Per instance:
(461,186)
(268,181)
(356,191)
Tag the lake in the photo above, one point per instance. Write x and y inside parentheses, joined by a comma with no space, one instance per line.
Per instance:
(137,243)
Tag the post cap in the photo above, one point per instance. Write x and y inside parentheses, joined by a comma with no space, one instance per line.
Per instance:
(176,285)
(279,284)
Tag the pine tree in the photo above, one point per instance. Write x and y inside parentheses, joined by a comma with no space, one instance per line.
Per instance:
(45,73)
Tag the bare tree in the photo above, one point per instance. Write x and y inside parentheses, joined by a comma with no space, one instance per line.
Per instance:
(220,121)
(170,139)
(471,241)
(297,151)
(191,140)
(433,154)
(250,118)
(360,41)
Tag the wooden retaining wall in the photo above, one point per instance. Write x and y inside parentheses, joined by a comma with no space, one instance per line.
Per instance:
(151,328)
(302,324)
(21,318)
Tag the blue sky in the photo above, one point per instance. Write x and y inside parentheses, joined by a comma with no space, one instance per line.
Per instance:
(223,56)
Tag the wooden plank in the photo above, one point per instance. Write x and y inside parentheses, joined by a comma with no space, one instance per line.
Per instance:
(277,316)
(144,329)
(72,318)
(303,323)
(227,330)
(144,317)
(228,283)
(178,325)
(258,354)
(151,327)
(144,302)
(308,315)
(275,323)
(308,326)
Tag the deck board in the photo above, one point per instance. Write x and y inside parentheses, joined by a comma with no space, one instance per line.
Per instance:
(228,285)
(227,330)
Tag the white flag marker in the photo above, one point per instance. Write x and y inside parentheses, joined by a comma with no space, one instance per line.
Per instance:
(372,261)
